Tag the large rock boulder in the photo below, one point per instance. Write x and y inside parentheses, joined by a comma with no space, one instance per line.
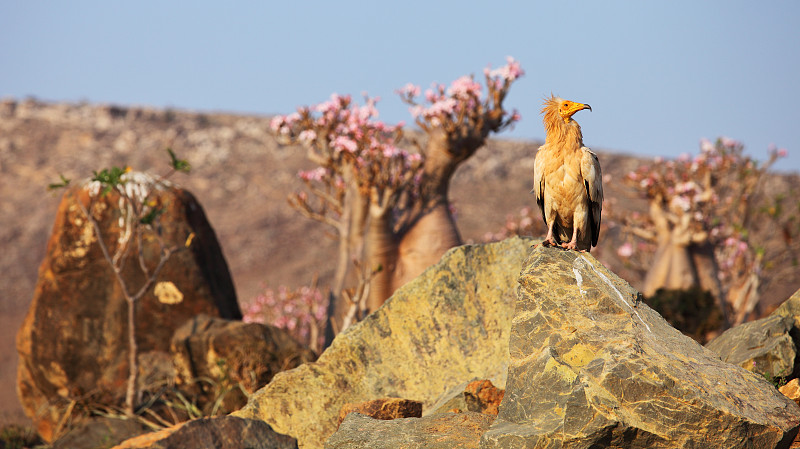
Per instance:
(73,344)
(228,354)
(763,346)
(449,326)
(592,366)
(226,432)
(791,308)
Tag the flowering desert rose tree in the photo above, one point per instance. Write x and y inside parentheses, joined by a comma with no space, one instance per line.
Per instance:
(389,207)
(701,227)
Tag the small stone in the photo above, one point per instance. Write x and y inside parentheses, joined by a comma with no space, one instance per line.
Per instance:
(483,397)
(386,408)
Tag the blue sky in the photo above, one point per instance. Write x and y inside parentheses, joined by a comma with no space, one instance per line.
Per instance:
(659,75)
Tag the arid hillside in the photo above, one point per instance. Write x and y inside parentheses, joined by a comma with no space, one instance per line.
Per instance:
(241,176)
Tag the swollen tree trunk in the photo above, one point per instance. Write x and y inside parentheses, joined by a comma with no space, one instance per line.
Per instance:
(682,260)
(434,231)
(381,260)
(672,269)
(425,243)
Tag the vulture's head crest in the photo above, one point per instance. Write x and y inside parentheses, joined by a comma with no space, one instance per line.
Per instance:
(555,107)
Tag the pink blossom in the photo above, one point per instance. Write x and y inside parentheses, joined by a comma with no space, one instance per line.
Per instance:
(430,96)
(626,250)
(728,142)
(445,106)
(313,175)
(414,157)
(276,122)
(464,87)
(307,136)
(390,151)
(344,143)
(409,90)
(681,202)
(335,103)
(706,146)
(508,72)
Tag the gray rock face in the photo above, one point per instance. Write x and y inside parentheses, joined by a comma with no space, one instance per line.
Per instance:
(438,431)
(762,346)
(99,433)
(226,432)
(450,325)
(592,367)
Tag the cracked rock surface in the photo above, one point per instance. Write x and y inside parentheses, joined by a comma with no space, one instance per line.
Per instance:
(591,366)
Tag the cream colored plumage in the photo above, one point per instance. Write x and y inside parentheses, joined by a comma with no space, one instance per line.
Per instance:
(567,180)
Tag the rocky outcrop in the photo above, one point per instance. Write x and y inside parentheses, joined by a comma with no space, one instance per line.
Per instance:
(592,366)
(767,346)
(73,343)
(229,354)
(437,431)
(226,432)
(762,346)
(791,308)
(449,326)
(385,408)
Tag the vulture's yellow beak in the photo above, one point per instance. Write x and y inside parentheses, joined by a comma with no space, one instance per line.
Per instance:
(568,108)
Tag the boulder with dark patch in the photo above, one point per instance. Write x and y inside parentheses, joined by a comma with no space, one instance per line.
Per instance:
(73,344)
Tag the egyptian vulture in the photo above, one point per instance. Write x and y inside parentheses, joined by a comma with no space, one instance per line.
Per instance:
(566,179)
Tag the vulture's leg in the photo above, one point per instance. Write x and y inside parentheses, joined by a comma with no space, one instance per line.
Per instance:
(549,240)
(573,244)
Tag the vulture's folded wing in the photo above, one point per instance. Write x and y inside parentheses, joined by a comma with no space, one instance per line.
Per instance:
(593,181)
(538,181)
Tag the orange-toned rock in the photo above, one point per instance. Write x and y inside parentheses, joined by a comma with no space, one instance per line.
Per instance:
(73,344)
(385,408)
(482,396)
(792,390)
